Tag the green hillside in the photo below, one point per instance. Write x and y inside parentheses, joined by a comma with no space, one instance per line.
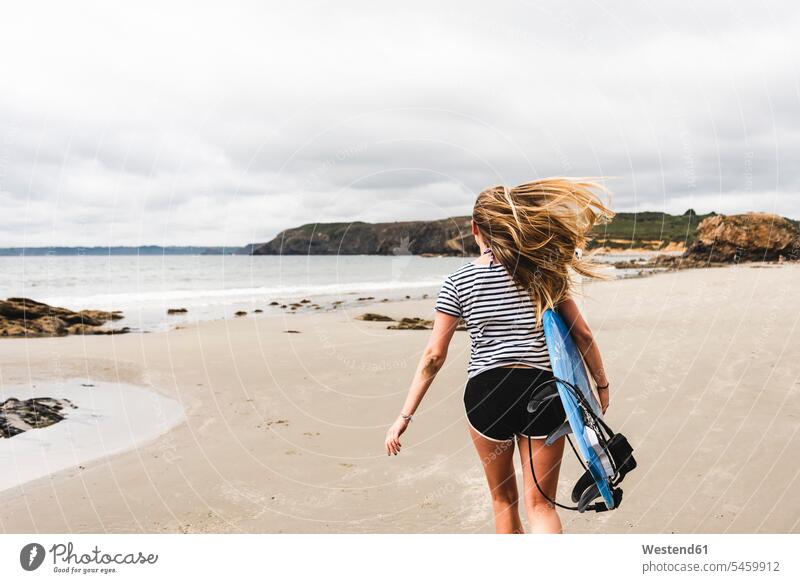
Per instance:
(647,229)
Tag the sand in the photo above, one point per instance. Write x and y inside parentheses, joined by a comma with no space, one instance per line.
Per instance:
(284,432)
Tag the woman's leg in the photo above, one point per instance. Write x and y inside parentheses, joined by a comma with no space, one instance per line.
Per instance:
(542,515)
(497,458)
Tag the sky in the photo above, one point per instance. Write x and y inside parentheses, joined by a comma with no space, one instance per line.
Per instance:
(196,123)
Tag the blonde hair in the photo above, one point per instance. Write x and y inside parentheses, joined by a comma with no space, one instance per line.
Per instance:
(535,231)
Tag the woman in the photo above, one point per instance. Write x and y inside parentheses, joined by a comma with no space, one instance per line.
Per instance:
(530,239)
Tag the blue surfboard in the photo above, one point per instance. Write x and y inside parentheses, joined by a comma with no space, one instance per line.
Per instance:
(567,364)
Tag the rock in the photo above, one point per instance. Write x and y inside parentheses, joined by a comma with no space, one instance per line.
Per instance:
(259,311)
(666,263)
(87,330)
(746,237)
(240,313)
(172,311)
(274,303)
(365,298)
(292,331)
(370,317)
(28,318)
(19,416)
(304,301)
(412,324)
(103,315)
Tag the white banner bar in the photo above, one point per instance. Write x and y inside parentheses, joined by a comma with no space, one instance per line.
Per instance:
(390,558)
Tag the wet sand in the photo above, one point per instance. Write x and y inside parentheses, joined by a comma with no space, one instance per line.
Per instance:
(283,432)
(100,420)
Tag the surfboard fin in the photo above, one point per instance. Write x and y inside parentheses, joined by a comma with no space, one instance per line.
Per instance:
(584,482)
(559,432)
(588,496)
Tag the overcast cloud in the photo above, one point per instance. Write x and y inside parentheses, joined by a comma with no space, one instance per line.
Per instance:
(169,123)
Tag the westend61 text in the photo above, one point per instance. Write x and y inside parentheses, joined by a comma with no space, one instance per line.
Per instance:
(675,550)
(65,554)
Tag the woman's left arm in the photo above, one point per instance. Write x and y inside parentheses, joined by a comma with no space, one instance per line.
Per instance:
(584,340)
(430,364)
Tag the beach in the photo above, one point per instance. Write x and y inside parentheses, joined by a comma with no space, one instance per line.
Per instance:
(283,418)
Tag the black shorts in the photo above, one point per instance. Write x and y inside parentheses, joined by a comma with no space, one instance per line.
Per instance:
(496,403)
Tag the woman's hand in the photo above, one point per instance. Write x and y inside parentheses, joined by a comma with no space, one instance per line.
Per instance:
(393,435)
(602,394)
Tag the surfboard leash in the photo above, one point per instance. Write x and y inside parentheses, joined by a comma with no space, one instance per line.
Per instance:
(615,446)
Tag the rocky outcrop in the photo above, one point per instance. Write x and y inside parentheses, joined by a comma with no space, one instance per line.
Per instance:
(412,324)
(721,240)
(445,237)
(28,318)
(370,317)
(18,416)
(746,237)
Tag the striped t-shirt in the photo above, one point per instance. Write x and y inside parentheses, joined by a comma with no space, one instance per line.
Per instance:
(500,319)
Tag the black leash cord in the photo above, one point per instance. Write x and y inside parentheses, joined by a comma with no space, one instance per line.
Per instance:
(535,481)
(581,399)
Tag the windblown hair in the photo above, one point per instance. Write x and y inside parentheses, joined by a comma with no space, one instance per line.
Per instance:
(539,230)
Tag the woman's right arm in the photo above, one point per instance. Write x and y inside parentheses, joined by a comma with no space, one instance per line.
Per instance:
(431,362)
(584,340)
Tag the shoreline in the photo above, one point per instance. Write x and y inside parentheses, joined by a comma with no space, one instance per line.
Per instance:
(105,419)
(283,432)
(160,315)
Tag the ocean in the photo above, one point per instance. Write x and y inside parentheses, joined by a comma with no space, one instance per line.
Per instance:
(216,286)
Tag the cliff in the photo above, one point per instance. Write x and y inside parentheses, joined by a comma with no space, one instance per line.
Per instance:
(746,237)
(647,230)
(444,237)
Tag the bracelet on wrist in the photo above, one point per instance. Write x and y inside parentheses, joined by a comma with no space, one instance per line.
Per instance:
(603,388)
(408,418)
